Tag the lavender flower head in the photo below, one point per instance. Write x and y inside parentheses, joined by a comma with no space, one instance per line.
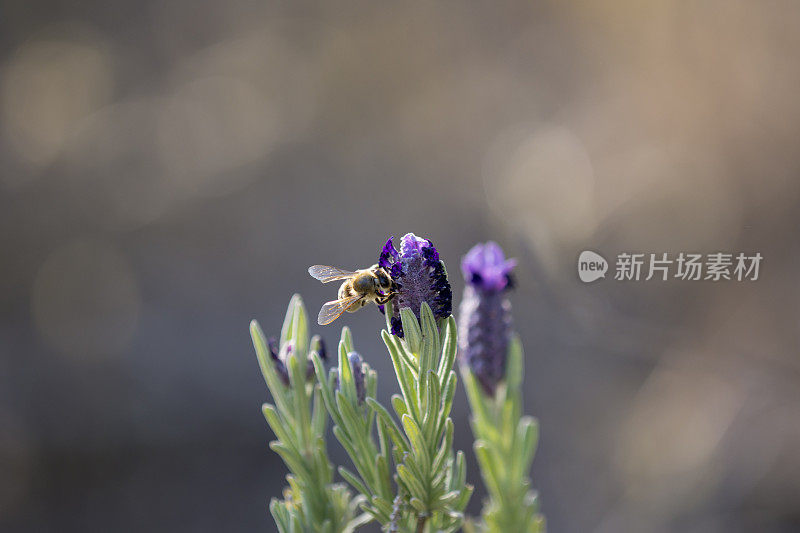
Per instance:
(485,321)
(419,276)
(280,356)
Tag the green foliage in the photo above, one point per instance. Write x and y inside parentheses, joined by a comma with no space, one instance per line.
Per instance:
(312,502)
(354,428)
(505,446)
(404,469)
(430,476)
(426,490)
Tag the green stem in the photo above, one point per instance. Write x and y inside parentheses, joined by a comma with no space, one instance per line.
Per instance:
(421,523)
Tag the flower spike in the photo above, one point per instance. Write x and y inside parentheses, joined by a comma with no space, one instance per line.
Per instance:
(493,365)
(485,322)
(419,276)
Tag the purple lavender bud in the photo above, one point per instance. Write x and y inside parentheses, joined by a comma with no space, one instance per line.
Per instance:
(280,356)
(317,345)
(485,321)
(280,366)
(357,369)
(419,276)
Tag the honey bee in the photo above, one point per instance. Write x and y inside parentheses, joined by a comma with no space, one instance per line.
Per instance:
(361,287)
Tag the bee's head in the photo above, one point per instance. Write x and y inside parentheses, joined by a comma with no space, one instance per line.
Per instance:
(383,280)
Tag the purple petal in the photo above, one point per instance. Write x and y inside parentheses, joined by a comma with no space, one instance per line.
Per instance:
(485,266)
(388,254)
(412,245)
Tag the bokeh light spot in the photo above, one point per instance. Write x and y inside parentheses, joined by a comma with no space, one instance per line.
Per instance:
(47,86)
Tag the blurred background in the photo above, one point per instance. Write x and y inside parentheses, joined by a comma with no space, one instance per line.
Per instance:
(168,170)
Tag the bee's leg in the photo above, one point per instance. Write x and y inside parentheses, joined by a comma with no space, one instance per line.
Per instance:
(385,299)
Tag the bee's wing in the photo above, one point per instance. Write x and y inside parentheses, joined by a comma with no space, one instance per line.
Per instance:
(332,310)
(328,273)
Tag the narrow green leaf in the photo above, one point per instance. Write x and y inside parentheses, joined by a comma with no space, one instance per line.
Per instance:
(430,421)
(383,505)
(397,455)
(292,460)
(302,415)
(410,362)
(412,484)
(384,483)
(444,450)
(299,327)
(526,441)
(279,514)
(402,380)
(416,469)
(488,470)
(319,413)
(347,339)
(384,439)
(407,356)
(296,525)
(358,459)
(449,350)
(429,349)
(399,405)
(418,444)
(475,395)
(353,423)
(419,505)
(447,401)
(411,331)
(351,478)
(274,383)
(357,522)
(508,422)
(466,493)
(460,469)
(370,424)
(449,498)
(346,383)
(277,424)
(324,381)
(388,312)
(323,465)
(371,381)
(515,368)
(344,439)
(390,424)
(286,330)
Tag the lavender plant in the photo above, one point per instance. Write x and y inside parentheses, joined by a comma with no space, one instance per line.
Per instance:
(312,502)
(428,485)
(492,366)
(405,472)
